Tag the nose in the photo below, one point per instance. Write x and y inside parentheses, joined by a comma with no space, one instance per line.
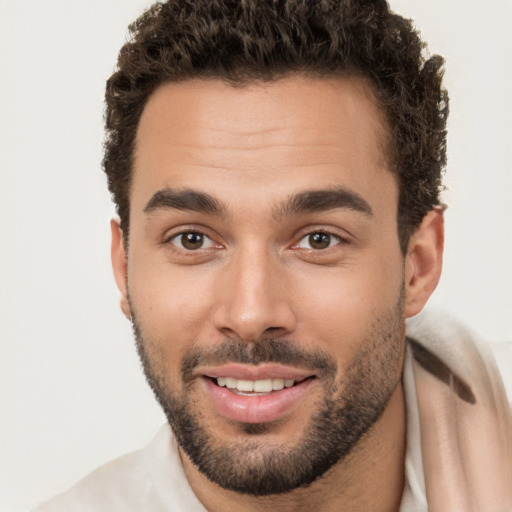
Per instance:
(253,299)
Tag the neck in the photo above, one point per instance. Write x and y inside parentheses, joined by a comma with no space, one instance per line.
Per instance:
(371,477)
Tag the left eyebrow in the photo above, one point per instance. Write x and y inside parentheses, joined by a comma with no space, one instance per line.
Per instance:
(312,201)
(187,199)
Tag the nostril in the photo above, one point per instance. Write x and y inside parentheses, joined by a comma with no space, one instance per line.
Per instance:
(274,330)
(251,322)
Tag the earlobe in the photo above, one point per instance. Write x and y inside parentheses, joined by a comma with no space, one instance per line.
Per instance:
(424,261)
(119,265)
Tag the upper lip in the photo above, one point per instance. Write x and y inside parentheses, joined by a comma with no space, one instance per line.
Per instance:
(254,372)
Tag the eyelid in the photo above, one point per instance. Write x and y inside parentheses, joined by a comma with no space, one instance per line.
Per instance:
(207,241)
(342,236)
(337,238)
(178,231)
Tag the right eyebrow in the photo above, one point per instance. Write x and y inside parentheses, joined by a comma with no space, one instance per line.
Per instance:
(311,201)
(186,199)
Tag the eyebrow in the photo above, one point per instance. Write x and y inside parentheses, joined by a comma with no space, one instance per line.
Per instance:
(190,200)
(323,200)
(310,201)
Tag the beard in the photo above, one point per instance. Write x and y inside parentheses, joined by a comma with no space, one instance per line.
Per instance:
(350,406)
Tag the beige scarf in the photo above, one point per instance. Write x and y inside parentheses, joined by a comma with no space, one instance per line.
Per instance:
(459,422)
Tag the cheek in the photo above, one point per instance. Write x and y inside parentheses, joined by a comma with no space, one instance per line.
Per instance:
(341,307)
(172,307)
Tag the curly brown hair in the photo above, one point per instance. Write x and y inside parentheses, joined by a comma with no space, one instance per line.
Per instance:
(243,41)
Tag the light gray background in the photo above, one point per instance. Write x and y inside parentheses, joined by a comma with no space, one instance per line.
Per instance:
(71,392)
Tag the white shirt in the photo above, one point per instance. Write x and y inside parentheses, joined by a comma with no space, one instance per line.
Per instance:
(152,479)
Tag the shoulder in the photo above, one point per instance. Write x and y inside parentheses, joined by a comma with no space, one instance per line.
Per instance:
(457,398)
(123,484)
(148,479)
(461,351)
(502,352)
(101,490)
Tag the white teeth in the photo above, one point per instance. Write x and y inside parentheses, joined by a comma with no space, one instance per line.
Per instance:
(258,386)
(230,383)
(263,386)
(245,385)
(277,384)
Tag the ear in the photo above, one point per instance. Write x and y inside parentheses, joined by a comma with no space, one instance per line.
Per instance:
(120,265)
(424,261)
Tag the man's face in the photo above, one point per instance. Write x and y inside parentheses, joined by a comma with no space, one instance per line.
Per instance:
(264,253)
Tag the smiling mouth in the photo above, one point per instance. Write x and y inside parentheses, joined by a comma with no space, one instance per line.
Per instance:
(255,395)
(255,387)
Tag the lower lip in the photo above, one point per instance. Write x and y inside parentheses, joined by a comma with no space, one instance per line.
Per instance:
(256,409)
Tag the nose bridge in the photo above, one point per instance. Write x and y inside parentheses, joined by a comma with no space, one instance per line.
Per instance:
(252,300)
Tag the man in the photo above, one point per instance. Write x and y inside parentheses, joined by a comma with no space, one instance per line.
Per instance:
(276,167)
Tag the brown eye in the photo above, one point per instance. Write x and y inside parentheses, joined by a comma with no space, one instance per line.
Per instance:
(192,241)
(318,241)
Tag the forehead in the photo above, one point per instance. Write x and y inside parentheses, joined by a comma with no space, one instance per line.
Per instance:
(295,129)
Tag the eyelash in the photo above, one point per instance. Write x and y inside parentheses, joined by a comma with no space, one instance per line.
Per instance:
(169,241)
(340,239)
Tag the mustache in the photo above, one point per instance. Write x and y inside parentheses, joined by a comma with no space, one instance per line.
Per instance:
(285,352)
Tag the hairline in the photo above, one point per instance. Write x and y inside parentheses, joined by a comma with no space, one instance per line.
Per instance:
(384,132)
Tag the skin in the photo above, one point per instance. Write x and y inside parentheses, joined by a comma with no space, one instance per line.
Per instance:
(251,148)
